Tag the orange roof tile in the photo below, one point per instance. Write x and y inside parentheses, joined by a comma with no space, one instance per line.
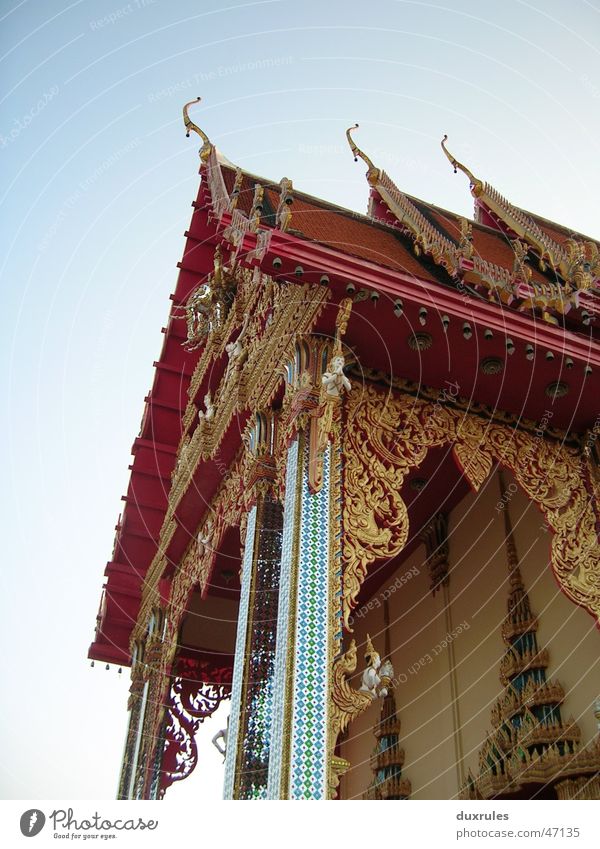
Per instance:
(361,236)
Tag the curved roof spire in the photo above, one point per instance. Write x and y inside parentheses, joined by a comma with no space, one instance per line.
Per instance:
(206,148)
(373,173)
(476,185)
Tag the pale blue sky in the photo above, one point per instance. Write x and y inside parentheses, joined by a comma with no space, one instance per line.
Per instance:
(98,181)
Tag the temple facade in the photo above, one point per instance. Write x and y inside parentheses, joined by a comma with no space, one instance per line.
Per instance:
(364,501)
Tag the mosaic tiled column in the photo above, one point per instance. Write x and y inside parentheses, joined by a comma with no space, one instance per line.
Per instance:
(134,759)
(129,754)
(309,745)
(278,775)
(299,763)
(239,667)
(257,658)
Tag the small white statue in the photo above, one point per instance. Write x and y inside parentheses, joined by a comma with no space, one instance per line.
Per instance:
(372,683)
(208,413)
(182,457)
(335,380)
(235,350)
(204,538)
(221,735)
(198,312)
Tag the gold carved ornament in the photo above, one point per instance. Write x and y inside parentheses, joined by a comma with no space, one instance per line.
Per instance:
(346,705)
(427,238)
(278,312)
(387,434)
(190,127)
(459,260)
(208,306)
(577,261)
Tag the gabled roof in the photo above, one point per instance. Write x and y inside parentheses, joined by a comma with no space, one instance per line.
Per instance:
(386,239)
(402,241)
(320,221)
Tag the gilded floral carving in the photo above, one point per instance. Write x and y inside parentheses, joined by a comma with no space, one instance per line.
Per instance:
(388,433)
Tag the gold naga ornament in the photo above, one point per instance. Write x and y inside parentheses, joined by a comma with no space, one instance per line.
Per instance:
(207,146)
(426,237)
(348,703)
(577,262)
(459,260)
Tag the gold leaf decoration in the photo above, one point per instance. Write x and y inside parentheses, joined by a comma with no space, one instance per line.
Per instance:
(388,433)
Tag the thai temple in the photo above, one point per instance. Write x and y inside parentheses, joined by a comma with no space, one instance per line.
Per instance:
(364,500)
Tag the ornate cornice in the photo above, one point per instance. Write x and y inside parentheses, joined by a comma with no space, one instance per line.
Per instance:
(491,414)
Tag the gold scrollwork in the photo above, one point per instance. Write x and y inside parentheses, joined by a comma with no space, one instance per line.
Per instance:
(387,434)
(346,702)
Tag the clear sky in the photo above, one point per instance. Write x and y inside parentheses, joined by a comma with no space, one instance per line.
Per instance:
(98,178)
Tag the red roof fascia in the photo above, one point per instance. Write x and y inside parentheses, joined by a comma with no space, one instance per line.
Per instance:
(321,259)
(154,452)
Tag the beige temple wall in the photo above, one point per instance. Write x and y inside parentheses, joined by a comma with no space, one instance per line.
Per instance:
(478,594)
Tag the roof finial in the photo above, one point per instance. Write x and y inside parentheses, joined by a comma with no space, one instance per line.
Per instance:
(370,651)
(476,185)
(206,148)
(373,172)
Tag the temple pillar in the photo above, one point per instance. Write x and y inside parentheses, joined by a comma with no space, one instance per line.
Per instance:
(134,706)
(278,777)
(280,743)
(239,667)
(143,674)
(303,763)
(299,764)
(249,732)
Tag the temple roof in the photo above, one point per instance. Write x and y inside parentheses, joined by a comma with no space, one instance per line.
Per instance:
(476,273)
(321,221)
(371,238)
(379,238)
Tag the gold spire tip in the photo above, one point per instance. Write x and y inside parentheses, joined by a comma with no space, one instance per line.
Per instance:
(476,185)
(448,154)
(191,127)
(373,172)
(351,141)
(369,650)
